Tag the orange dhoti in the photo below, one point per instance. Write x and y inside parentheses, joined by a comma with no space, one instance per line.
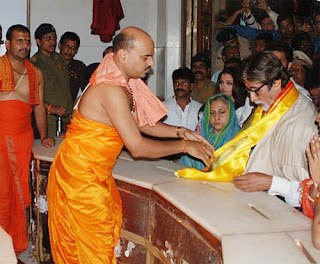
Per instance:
(85,214)
(16,140)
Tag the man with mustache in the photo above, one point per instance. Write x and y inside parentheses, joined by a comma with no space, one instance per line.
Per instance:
(203,87)
(21,91)
(57,96)
(69,45)
(182,109)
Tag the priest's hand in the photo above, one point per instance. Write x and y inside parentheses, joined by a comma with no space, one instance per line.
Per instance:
(253,182)
(191,135)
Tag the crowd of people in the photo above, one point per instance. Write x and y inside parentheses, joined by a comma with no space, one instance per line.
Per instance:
(267,66)
(247,116)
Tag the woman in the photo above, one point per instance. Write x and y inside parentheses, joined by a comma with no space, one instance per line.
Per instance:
(228,83)
(311,187)
(218,125)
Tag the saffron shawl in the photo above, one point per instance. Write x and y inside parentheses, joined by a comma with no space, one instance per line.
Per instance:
(149,109)
(7,79)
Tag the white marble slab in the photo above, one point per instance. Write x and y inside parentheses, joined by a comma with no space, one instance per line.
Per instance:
(45,154)
(225,210)
(144,173)
(304,237)
(263,249)
(7,255)
(253,227)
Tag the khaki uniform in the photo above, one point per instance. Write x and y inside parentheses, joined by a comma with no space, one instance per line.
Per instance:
(56,86)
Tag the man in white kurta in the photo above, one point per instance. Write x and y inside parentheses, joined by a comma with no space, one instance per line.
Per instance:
(278,162)
(281,152)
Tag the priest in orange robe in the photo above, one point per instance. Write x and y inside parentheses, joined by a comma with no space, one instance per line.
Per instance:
(85,213)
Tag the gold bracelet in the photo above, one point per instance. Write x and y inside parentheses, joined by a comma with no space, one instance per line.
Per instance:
(178,132)
(316,198)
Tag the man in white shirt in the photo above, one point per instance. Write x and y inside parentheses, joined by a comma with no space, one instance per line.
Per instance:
(182,110)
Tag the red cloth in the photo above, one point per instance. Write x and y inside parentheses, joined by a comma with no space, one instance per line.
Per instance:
(106,17)
(16,140)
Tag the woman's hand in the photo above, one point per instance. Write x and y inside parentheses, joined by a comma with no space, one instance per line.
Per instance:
(313,157)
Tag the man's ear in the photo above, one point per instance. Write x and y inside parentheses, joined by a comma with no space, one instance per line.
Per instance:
(7,44)
(122,55)
(191,87)
(38,42)
(277,84)
(59,46)
(289,65)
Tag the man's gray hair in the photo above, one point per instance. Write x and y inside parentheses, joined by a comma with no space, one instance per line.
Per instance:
(265,68)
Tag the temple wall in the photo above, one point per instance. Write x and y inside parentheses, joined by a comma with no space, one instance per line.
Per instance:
(160,18)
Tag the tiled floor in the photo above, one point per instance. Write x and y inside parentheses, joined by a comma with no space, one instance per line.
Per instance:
(26,256)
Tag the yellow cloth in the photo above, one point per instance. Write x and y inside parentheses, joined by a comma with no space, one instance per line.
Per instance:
(231,158)
(85,212)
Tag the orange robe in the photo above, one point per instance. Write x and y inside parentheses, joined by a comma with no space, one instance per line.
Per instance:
(85,213)
(16,140)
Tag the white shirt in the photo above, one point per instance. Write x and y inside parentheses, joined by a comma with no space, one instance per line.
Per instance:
(187,118)
(244,112)
(290,190)
(301,90)
(215,76)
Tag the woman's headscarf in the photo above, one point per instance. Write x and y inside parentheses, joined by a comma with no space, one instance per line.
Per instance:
(206,130)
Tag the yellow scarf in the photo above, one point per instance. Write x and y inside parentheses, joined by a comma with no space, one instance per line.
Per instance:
(231,158)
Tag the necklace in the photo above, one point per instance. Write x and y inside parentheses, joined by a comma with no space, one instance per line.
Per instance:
(132,102)
(24,73)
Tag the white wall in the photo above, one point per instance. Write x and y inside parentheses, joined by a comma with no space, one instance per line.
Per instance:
(15,12)
(160,18)
(69,15)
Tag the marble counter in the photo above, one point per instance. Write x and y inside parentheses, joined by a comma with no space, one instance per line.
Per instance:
(7,255)
(252,227)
